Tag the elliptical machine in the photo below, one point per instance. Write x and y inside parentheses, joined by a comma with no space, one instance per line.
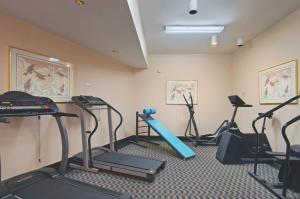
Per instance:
(196,139)
(214,138)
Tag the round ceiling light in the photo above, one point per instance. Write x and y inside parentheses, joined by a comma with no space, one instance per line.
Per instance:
(214,40)
(240,42)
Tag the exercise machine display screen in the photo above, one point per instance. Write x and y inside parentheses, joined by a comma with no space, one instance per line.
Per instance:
(235,100)
(86,101)
(14,102)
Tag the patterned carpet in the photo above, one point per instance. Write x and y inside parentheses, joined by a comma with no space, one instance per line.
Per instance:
(200,177)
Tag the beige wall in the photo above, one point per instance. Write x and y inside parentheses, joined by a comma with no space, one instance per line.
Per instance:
(94,75)
(130,90)
(277,45)
(214,83)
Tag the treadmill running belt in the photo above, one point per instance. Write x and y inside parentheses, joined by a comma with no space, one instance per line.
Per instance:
(128,160)
(63,188)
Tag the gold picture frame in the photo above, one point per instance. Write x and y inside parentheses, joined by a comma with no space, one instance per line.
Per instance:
(41,75)
(278,83)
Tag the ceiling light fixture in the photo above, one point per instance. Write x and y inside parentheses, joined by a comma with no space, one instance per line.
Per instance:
(193,29)
(240,42)
(214,40)
(193,7)
(53,59)
(80,2)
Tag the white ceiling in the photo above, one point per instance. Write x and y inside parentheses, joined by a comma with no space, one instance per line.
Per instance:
(114,25)
(245,18)
(101,25)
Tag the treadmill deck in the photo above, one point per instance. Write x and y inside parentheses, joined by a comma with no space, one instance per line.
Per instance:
(43,185)
(136,166)
(128,160)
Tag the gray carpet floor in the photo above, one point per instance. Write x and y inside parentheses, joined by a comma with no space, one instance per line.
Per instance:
(200,177)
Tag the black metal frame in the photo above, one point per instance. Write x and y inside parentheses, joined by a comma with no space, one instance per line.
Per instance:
(139,118)
(287,154)
(196,139)
(5,114)
(236,102)
(85,107)
(191,123)
(63,134)
(12,188)
(4,120)
(278,189)
(113,145)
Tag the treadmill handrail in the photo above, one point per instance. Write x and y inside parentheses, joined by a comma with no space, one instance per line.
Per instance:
(64,114)
(277,107)
(120,123)
(267,114)
(287,153)
(91,134)
(284,127)
(97,124)
(109,106)
(118,113)
(62,129)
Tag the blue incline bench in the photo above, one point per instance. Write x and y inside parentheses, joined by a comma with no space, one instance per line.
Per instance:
(182,149)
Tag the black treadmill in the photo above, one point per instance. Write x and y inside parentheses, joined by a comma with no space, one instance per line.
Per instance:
(45,183)
(109,159)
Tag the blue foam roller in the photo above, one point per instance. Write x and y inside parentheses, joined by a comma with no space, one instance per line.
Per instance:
(149,111)
(153,111)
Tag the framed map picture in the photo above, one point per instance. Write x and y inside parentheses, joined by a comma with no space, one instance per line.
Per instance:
(41,75)
(279,83)
(177,88)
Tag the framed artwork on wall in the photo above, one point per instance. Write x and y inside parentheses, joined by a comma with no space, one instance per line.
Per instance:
(41,75)
(177,88)
(278,83)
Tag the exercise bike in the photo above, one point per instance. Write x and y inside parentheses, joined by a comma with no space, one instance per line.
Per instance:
(236,147)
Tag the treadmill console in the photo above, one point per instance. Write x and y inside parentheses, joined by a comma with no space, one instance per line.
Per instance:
(16,102)
(86,101)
